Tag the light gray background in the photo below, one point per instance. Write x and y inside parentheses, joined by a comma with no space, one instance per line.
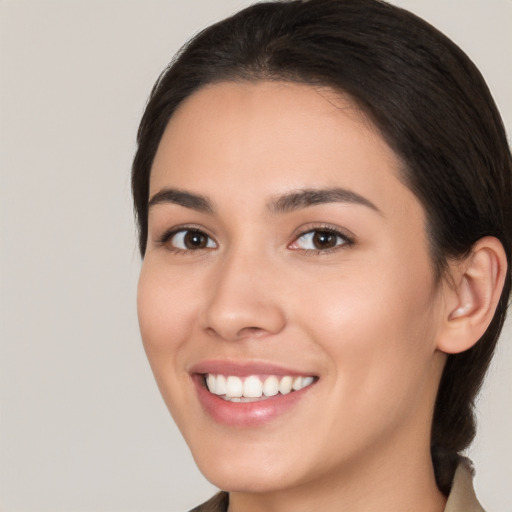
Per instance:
(82,426)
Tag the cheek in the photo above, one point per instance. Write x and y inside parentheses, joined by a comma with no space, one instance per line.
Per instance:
(165,310)
(378,330)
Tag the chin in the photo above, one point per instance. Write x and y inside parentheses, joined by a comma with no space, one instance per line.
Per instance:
(236,471)
(250,480)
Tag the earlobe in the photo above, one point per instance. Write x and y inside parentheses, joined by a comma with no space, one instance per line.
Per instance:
(473,295)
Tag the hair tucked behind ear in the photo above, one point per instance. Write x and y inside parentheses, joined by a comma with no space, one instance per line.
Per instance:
(431,105)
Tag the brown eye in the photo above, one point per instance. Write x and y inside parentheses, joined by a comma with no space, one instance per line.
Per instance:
(195,240)
(191,240)
(324,240)
(320,240)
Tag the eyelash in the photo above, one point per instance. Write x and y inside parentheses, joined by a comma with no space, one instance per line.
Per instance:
(331,230)
(163,241)
(347,240)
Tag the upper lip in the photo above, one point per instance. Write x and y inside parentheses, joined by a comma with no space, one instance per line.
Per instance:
(245,368)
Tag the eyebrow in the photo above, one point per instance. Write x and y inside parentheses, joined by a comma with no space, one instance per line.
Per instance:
(311,197)
(282,204)
(182,198)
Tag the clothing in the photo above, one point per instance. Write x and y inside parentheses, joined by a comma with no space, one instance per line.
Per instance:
(219,503)
(461,499)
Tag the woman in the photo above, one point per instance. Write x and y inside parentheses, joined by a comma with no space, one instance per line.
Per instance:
(323,197)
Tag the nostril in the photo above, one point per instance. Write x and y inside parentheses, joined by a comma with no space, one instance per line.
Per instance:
(252,329)
(251,332)
(245,332)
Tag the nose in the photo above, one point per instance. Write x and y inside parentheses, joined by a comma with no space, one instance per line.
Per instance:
(243,300)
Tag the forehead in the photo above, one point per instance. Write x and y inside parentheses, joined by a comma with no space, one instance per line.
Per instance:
(270,137)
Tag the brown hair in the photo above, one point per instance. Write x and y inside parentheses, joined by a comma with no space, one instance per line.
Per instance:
(429,102)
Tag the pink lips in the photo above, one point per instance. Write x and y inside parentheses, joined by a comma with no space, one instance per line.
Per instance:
(249,414)
(243,369)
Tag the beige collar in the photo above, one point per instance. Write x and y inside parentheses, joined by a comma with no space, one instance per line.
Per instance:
(462,496)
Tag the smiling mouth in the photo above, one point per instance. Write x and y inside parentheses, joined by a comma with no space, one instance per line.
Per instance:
(254,388)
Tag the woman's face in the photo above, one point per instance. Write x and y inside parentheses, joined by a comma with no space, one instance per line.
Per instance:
(283,250)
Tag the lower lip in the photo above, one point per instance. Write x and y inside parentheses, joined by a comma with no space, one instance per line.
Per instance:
(245,414)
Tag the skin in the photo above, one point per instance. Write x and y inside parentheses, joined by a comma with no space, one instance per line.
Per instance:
(364,317)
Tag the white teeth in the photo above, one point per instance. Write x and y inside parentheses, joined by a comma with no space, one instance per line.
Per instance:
(234,387)
(220,385)
(297,384)
(285,386)
(306,382)
(301,382)
(250,389)
(211,383)
(271,386)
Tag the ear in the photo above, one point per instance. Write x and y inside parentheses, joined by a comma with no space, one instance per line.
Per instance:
(472,295)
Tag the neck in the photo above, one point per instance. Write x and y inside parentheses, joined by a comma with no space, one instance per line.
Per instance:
(397,481)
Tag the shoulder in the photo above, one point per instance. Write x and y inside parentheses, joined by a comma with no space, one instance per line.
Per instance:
(219,503)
